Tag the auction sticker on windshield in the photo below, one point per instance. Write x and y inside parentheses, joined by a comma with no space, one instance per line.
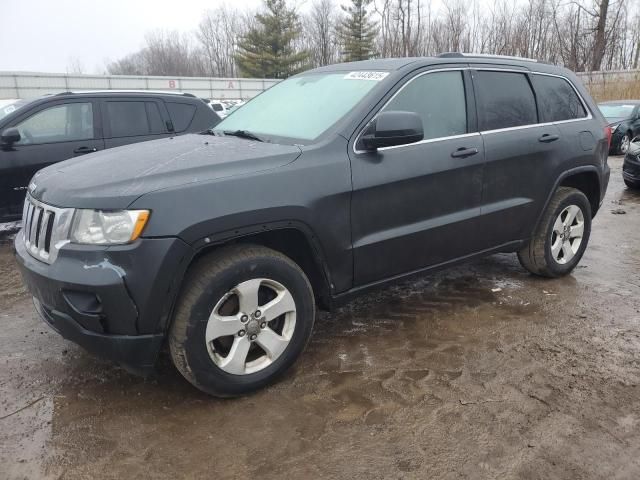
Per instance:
(375,76)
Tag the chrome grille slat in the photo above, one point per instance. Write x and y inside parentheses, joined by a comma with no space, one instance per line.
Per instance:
(45,229)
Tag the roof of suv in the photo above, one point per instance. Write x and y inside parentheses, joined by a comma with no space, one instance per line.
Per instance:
(393,64)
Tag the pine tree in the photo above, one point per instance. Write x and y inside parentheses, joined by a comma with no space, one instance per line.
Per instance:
(267,50)
(357,32)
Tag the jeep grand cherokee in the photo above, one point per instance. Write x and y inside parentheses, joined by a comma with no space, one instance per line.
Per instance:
(334,181)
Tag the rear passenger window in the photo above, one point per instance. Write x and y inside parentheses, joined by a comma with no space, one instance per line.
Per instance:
(181,115)
(155,119)
(557,99)
(504,100)
(439,99)
(127,119)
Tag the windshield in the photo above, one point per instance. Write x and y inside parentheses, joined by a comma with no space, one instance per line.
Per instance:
(302,107)
(7,107)
(616,110)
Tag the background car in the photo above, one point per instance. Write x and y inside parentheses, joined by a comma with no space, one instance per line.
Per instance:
(624,119)
(40,132)
(218,107)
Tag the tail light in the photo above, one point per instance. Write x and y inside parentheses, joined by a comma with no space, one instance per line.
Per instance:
(608,133)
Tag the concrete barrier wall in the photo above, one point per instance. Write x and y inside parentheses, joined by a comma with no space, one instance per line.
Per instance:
(30,85)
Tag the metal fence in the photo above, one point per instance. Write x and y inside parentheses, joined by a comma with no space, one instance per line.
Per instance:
(30,85)
(609,76)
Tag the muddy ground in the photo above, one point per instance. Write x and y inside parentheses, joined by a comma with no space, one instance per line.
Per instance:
(481,371)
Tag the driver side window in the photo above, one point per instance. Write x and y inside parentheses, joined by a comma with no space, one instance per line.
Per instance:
(61,123)
(440,101)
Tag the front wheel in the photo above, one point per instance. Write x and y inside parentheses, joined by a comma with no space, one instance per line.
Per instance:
(244,316)
(561,237)
(625,143)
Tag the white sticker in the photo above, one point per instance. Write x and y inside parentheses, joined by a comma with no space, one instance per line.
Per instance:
(9,109)
(375,76)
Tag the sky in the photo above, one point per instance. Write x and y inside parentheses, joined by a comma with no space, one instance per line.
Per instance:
(51,35)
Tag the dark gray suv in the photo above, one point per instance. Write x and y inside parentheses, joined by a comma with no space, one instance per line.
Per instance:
(332,182)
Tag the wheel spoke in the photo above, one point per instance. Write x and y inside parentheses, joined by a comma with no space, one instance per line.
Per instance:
(558,226)
(248,295)
(572,211)
(556,247)
(577,230)
(272,343)
(235,361)
(219,326)
(283,303)
(567,252)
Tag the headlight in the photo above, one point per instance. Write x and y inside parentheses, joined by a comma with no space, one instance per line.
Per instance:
(97,227)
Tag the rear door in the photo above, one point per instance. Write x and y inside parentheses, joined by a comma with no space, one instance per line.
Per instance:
(417,205)
(522,155)
(50,133)
(132,120)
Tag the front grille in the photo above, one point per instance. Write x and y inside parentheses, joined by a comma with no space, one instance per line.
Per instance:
(45,228)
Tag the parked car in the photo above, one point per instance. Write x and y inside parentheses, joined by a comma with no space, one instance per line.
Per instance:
(624,119)
(235,107)
(47,130)
(631,166)
(330,183)
(218,107)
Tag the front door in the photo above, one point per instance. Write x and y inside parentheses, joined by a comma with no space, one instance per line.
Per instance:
(50,134)
(417,205)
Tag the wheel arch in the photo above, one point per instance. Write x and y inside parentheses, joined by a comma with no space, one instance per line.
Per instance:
(585,180)
(291,238)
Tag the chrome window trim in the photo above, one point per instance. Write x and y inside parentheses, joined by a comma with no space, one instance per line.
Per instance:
(480,132)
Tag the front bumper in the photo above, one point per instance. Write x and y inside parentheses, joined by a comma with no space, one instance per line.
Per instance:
(113,301)
(631,167)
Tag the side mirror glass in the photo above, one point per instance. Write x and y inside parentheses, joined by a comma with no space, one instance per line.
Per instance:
(390,129)
(10,136)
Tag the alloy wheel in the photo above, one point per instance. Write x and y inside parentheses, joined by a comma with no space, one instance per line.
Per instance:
(567,233)
(251,326)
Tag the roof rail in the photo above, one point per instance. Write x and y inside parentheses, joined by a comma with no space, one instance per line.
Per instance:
(154,92)
(484,55)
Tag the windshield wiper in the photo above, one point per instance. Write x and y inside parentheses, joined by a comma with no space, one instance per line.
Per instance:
(243,134)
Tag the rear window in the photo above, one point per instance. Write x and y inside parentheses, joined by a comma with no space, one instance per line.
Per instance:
(504,99)
(181,115)
(557,99)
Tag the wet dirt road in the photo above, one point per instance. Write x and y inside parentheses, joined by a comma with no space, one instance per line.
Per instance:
(481,371)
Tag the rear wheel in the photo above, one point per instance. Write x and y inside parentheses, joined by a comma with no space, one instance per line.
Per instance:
(632,185)
(244,316)
(562,236)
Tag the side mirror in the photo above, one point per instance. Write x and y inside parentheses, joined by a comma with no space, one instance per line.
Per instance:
(392,128)
(10,136)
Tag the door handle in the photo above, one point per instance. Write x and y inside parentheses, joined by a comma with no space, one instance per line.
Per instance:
(84,150)
(463,152)
(546,138)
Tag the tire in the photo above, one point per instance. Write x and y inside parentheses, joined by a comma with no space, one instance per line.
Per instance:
(541,256)
(625,140)
(632,185)
(212,292)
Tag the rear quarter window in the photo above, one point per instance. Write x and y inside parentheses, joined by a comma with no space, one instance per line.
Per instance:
(504,100)
(557,99)
(181,115)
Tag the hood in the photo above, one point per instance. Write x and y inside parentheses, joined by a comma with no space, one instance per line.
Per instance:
(114,178)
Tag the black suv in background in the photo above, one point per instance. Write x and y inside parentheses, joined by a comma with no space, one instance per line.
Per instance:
(37,133)
(329,183)
(623,117)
